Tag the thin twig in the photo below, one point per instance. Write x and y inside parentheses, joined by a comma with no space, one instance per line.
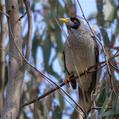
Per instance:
(114,67)
(46,94)
(21,17)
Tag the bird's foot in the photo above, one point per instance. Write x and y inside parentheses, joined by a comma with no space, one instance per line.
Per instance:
(69,79)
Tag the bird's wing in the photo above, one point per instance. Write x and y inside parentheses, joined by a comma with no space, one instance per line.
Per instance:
(72,82)
(95,72)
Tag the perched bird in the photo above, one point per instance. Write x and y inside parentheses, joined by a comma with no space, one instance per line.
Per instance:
(80,53)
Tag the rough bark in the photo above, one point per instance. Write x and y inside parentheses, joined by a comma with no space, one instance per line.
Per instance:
(2,54)
(15,79)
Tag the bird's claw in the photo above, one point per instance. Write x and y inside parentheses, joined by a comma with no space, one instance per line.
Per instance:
(69,78)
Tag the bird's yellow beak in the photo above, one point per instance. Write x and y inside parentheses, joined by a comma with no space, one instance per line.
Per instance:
(64,20)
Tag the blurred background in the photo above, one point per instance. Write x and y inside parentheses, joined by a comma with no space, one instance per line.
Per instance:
(46,56)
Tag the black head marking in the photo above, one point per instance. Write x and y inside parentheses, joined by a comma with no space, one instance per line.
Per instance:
(76,22)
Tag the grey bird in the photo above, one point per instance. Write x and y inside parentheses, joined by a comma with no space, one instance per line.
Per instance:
(80,53)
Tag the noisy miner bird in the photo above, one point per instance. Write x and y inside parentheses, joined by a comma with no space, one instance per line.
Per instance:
(80,53)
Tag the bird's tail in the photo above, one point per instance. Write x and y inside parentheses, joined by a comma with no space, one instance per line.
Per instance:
(85,102)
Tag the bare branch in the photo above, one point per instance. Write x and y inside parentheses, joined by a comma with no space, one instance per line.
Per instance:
(29,34)
(21,17)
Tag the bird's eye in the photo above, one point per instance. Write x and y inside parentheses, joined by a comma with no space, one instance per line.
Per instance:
(76,22)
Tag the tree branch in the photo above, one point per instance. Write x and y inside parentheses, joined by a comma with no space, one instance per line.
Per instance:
(29,34)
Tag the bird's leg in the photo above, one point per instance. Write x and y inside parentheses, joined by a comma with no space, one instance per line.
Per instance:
(71,76)
(71,79)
